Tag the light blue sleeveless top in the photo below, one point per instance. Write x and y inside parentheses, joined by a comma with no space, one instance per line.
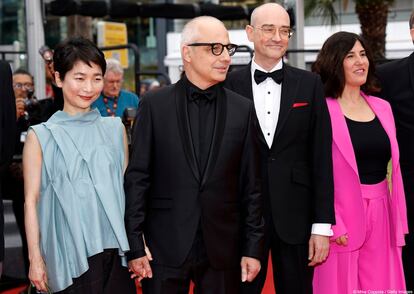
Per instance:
(82,202)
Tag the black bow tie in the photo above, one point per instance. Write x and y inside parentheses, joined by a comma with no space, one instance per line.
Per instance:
(260,76)
(196,95)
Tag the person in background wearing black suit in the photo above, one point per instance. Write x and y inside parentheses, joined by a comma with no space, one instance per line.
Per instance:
(397,81)
(296,162)
(192,185)
(7,133)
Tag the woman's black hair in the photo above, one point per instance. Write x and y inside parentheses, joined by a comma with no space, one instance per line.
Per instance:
(75,49)
(329,64)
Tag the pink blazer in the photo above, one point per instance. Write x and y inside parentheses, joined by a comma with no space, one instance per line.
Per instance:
(349,213)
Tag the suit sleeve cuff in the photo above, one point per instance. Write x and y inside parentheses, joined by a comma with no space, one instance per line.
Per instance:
(322,229)
(135,254)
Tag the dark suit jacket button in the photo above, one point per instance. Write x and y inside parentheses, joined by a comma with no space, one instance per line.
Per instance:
(272,159)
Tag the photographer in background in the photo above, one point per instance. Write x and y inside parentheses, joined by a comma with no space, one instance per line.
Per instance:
(114,100)
(28,109)
(23,86)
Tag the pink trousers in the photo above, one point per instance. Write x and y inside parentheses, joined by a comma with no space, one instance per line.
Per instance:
(376,266)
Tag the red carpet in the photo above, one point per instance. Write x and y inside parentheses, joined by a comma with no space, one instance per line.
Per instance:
(268,288)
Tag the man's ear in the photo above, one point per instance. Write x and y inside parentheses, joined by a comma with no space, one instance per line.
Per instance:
(57,79)
(186,54)
(249,33)
(412,34)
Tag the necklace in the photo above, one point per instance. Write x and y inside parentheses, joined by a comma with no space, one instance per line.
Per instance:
(111,112)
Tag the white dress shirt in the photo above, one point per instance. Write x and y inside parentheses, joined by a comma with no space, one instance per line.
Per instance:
(266,97)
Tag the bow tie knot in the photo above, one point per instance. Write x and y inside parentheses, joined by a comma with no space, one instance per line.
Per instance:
(197,95)
(260,76)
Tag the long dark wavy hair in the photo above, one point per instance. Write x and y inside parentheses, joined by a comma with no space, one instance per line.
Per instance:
(329,64)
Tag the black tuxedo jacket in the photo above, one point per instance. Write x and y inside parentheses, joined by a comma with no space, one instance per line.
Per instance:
(397,82)
(297,169)
(7,133)
(7,116)
(167,199)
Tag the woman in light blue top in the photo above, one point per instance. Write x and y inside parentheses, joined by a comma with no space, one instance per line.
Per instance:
(74,198)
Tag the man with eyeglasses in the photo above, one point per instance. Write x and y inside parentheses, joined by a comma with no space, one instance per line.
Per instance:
(397,82)
(23,90)
(114,100)
(192,184)
(296,164)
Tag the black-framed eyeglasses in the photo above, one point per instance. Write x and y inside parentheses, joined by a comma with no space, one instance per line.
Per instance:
(270,30)
(25,86)
(217,48)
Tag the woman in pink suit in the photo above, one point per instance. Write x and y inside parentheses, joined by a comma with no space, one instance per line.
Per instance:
(371,221)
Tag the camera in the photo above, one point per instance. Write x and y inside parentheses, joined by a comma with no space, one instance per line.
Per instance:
(46,53)
(128,119)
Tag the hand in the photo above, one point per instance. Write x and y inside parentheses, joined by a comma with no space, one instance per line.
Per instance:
(318,249)
(250,267)
(140,268)
(38,275)
(342,240)
(20,107)
(148,253)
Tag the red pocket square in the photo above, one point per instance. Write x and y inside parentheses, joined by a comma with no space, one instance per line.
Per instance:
(300,104)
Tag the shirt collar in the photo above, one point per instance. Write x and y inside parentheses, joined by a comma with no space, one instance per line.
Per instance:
(255,66)
(191,88)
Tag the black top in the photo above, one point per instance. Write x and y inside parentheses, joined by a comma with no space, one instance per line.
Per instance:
(372,149)
(201,113)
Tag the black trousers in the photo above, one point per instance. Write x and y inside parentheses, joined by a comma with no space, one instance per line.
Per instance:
(291,273)
(1,231)
(196,268)
(105,275)
(408,249)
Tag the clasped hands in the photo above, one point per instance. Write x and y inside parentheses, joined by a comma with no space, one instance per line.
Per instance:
(319,247)
(140,267)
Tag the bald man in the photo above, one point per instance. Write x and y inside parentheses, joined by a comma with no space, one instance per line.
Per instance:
(192,184)
(295,143)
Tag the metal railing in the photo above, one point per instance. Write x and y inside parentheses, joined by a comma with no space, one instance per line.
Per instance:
(137,65)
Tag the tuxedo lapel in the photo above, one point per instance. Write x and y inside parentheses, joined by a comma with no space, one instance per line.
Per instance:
(289,90)
(219,125)
(247,90)
(184,127)
(340,133)
(411,69)
(245,82)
